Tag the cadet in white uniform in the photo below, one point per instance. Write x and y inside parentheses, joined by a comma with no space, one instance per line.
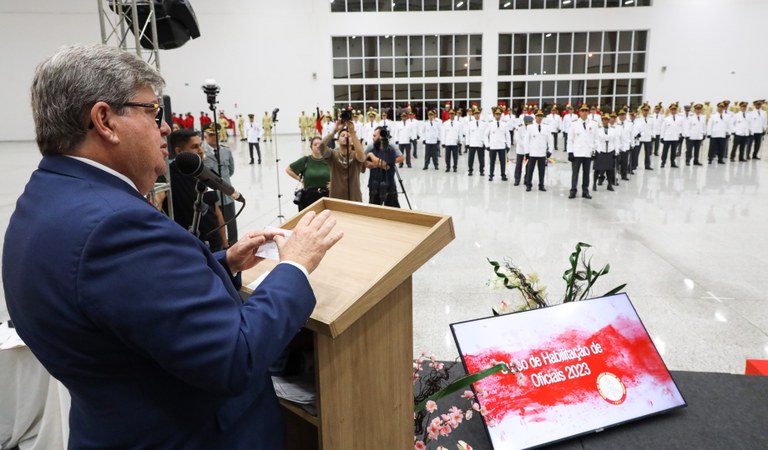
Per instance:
(253,133)
(497,142)
(658,119)
(568,118)
(740,130)
(624,128)
(581,145)
(431,138)
(368,127)
(643,130)
(539,143)
(415,127)
(521,153)
(697,129)
(758,123)
(717,132)
(671,130)
(555,123)
(608,141)
(451,138)
(402,135)
(476,140)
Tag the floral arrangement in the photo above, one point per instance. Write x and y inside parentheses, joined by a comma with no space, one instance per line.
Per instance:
(430,377)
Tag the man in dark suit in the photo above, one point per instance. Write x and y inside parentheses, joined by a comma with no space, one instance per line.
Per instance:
(138,319)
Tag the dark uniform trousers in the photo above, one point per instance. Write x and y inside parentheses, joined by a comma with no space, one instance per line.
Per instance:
(451,151)
(535,161)
(583,164)
(501,154)
(670,148)
(430,154)
(757,139)
(739,142)
(480,152)
(717,149)
(519,161)
(692,150)
(405,149)
(414,143)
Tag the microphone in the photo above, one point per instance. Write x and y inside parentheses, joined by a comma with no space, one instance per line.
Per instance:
(191,164)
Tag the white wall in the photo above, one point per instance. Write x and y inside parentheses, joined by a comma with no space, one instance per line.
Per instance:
(264,53)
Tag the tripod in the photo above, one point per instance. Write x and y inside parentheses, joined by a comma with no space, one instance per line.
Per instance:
(402,186)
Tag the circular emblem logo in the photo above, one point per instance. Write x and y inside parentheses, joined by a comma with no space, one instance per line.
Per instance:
(611,388)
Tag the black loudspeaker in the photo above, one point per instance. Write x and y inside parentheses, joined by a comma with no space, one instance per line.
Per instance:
(176,22)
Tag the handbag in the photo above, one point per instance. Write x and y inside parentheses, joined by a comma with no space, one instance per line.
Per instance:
(298,193)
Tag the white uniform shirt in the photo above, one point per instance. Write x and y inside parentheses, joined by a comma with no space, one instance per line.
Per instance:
(476,133)
(567,120)
(497,136)
(368,129)
(414,128)
(402,133)
(757,121)
(329,127)
(431,132)
(520,131)
(451,132)
(658,119)
(697,126)
(717,127)
(740,124)
(671,128)
(595,117)
(253,131)
(608,139)
(554,122)
(686,117)
(625,134)
(539,140)
(581,138)
(644,127)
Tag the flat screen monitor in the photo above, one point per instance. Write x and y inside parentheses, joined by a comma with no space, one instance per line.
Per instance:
(584,366)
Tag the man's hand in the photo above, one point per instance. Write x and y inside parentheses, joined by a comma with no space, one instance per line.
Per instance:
(242,255)
(339,125)
(311,238)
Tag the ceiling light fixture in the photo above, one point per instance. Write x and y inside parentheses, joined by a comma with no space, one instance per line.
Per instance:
(506,5)
(567,2)
(548,35)
(460,4)
(629,2)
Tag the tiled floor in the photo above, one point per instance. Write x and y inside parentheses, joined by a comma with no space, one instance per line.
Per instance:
(690,242)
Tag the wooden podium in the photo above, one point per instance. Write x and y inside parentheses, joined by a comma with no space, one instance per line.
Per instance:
(361,330)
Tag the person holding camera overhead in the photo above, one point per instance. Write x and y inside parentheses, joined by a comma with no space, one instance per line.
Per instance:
(381,158)
(346,162)
(314,171)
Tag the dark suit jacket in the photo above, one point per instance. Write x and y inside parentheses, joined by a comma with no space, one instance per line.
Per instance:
(140,321)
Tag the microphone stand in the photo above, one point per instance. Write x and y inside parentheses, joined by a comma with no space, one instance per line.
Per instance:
(280,216)
(216,151)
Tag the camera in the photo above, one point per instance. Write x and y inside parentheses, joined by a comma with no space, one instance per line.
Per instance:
(346,115)
(274,114)
(211,89)
(384,138)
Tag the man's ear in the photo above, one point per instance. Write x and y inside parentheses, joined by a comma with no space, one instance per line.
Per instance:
(103,122)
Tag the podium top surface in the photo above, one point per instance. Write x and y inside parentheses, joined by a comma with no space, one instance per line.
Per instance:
(380,249)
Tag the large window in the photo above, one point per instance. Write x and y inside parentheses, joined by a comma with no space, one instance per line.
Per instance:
(610,94)
(570,4)
(594,52)
(421,97)
(404,5)
(356,57)
(601,67)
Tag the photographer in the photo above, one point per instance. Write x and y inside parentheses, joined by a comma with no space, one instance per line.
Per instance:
(381,158)
(346,162)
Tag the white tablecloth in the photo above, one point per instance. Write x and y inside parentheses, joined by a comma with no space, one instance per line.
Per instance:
(34,406)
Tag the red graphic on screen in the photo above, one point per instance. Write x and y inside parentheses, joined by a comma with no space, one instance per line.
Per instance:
(625,354)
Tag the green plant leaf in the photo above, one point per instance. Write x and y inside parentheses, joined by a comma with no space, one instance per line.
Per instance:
(615,290)
(461,383)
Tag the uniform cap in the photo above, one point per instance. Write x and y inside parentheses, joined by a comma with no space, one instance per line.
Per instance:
(622,111)
(539,113)
(584,107)
(743,104)
(721,105)
(613,115)
(646,108)
(698,106)
(251,116)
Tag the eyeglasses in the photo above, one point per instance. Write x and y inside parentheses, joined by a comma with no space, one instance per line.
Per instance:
(158,117)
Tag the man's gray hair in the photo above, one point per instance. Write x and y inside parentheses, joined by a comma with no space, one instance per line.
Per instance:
(69,83)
